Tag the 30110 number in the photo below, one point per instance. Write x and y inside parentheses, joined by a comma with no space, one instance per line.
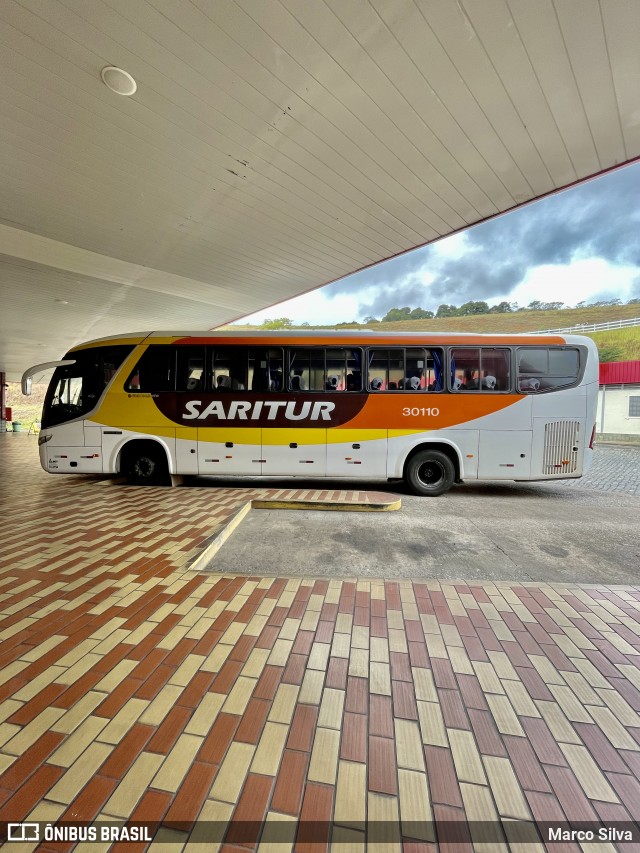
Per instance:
(415,413)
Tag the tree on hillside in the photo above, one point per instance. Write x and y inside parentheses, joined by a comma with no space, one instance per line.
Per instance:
(396,314)
(501,308)
(279,323)
(447,311)
(369,320)
(601,304)
(421,314)
(473,308)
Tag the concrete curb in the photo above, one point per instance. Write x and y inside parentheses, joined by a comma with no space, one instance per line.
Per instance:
(198,563)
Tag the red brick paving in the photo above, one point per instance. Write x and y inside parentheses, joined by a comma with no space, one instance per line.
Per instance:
(121,595)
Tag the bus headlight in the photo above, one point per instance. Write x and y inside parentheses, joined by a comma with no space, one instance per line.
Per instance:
(43,439)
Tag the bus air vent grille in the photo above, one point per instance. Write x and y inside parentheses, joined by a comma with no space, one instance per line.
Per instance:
(561,442)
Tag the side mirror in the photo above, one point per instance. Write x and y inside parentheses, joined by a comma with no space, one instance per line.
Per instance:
(40,368)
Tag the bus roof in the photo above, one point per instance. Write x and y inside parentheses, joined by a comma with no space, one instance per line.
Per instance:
(328,336)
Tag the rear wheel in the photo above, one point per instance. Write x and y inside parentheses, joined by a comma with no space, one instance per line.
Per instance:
(145,464)
(430,473)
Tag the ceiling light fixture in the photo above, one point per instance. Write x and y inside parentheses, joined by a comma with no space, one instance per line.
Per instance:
(119,81)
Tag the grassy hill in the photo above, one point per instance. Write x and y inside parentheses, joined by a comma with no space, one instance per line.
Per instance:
(518,321)
(618,344)
(614,345)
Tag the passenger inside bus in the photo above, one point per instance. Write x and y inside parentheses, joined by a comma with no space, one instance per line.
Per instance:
(261,380)
(226,383)
(297,381)
(353,382)
(470,380)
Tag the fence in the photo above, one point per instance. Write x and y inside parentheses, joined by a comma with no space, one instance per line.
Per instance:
(593,327)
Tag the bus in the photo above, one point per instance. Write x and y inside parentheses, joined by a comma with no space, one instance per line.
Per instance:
(429,409)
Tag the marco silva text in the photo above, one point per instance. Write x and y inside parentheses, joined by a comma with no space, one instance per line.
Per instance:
(602,833)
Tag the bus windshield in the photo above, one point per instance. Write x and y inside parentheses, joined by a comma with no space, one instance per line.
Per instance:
(75,389)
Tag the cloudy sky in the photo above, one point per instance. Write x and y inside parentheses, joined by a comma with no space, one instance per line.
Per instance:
(581,244)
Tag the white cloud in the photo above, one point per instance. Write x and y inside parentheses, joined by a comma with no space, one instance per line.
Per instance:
(454,246)
(581,280)
(586,279)
(314,308)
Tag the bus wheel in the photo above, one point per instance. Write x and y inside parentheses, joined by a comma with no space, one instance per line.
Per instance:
(430,473)
(145,464)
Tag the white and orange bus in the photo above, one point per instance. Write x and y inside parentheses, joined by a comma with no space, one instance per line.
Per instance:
(432,409)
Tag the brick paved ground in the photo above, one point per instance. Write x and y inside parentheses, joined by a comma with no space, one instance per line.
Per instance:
(615,469)
(133,688)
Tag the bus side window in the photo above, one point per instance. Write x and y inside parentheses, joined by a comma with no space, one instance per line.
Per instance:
(480,369)
(547,368)
(415,369)
(387,365)
(155,372)
(400,369)
(228,370)
(305,371)
(434,378)
(265,369)
(190,368)
(465,367)
(495,368)
(343,370)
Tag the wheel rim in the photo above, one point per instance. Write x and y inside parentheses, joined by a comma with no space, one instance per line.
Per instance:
(144,467)
(431,474)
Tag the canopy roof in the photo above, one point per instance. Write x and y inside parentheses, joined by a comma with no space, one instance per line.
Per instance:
(274,146)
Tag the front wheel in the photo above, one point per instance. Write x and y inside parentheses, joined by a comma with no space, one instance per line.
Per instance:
(430,473)
(145,464)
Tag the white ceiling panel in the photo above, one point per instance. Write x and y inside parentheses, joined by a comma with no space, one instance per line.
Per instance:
(273,146)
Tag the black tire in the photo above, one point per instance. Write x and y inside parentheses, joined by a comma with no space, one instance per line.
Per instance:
(145,464)
(430,473)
